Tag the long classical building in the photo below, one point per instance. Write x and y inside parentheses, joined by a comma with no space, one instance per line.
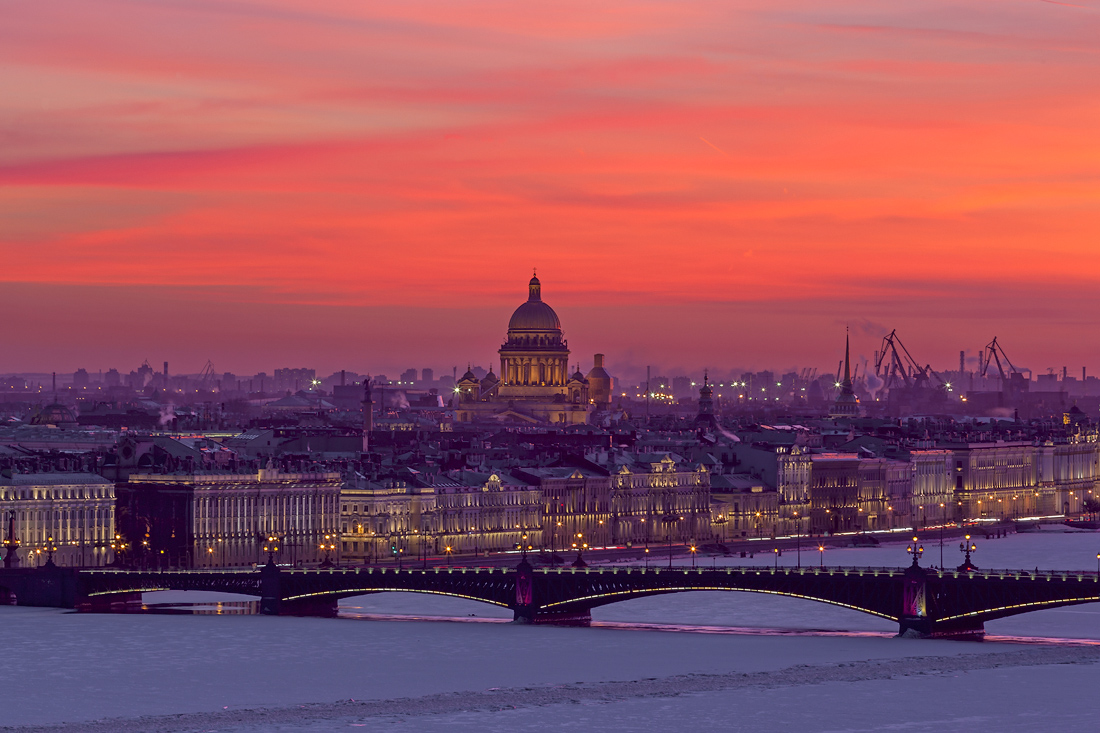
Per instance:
(70,516)
(535,383)
(196,520)
(456,512)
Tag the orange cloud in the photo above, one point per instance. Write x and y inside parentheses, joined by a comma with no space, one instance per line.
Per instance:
(424,156)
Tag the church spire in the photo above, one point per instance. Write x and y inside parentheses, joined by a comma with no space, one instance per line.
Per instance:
(847,384)
(846,404)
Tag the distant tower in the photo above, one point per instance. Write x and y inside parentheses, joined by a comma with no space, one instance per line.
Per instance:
(706,418)
(599,384)
(368,414)
(846,404)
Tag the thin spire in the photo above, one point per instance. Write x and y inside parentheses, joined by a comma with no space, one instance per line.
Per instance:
(847,353)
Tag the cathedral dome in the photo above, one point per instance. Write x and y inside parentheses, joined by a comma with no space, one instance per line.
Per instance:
(534,315)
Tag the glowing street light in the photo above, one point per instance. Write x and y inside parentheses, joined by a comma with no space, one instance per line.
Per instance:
(915,550)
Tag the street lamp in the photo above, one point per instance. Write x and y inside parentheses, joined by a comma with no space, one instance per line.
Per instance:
(669,520)
(915,550)
(693,556)
(327,546)
(580,546)
(51,548)
(775,551)
(943,521)
(271,548)
(798,538)
(821,556)
(447,549)
(968,547)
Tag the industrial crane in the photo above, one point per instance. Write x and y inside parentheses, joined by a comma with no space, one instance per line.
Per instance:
(994,353)
(901,369)
(207,377)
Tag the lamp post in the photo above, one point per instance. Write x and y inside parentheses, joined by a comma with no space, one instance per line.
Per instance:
(11,543)
(943,521)
(580,546)
(798,539)
(271,547)
(693,556)
(447,549)
(51,548)
(1098,566)
(669,519)
(967,547)
(915,550)
(327,546)
(821,556)
(775,551)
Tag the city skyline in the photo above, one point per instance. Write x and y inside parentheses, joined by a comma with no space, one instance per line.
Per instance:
(722,185)
(866,349)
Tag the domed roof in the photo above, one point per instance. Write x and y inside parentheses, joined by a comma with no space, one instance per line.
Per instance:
(54,414)
(534,315)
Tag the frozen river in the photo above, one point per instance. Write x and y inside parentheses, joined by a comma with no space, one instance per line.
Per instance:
(720,661)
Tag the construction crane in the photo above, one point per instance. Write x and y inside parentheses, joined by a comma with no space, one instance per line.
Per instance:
(993,353)
(896,367)
(206,377)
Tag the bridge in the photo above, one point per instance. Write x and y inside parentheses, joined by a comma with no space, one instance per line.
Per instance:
(923,602)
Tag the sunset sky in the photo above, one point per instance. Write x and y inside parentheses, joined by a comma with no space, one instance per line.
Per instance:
(368,185)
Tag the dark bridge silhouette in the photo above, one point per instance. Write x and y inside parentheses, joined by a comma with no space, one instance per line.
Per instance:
(924,602)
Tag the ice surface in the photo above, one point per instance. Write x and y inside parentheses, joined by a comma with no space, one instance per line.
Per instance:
(83,667)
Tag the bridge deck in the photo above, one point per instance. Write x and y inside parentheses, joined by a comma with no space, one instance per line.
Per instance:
(917,598)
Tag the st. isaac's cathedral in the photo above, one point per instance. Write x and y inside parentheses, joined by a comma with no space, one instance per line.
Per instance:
(535,384)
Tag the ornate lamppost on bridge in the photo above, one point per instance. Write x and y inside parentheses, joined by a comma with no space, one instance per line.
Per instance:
(11,543)
(447,549)
(798,538)
(669,520)
(51,548)
(821,556)
(916,550)
(943,521)
(580,546)
(968,547)
(271,547)
(327,546)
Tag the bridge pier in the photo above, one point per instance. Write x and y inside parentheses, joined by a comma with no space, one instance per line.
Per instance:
(924,628)
(107,603)
(272,602)
(582,617)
